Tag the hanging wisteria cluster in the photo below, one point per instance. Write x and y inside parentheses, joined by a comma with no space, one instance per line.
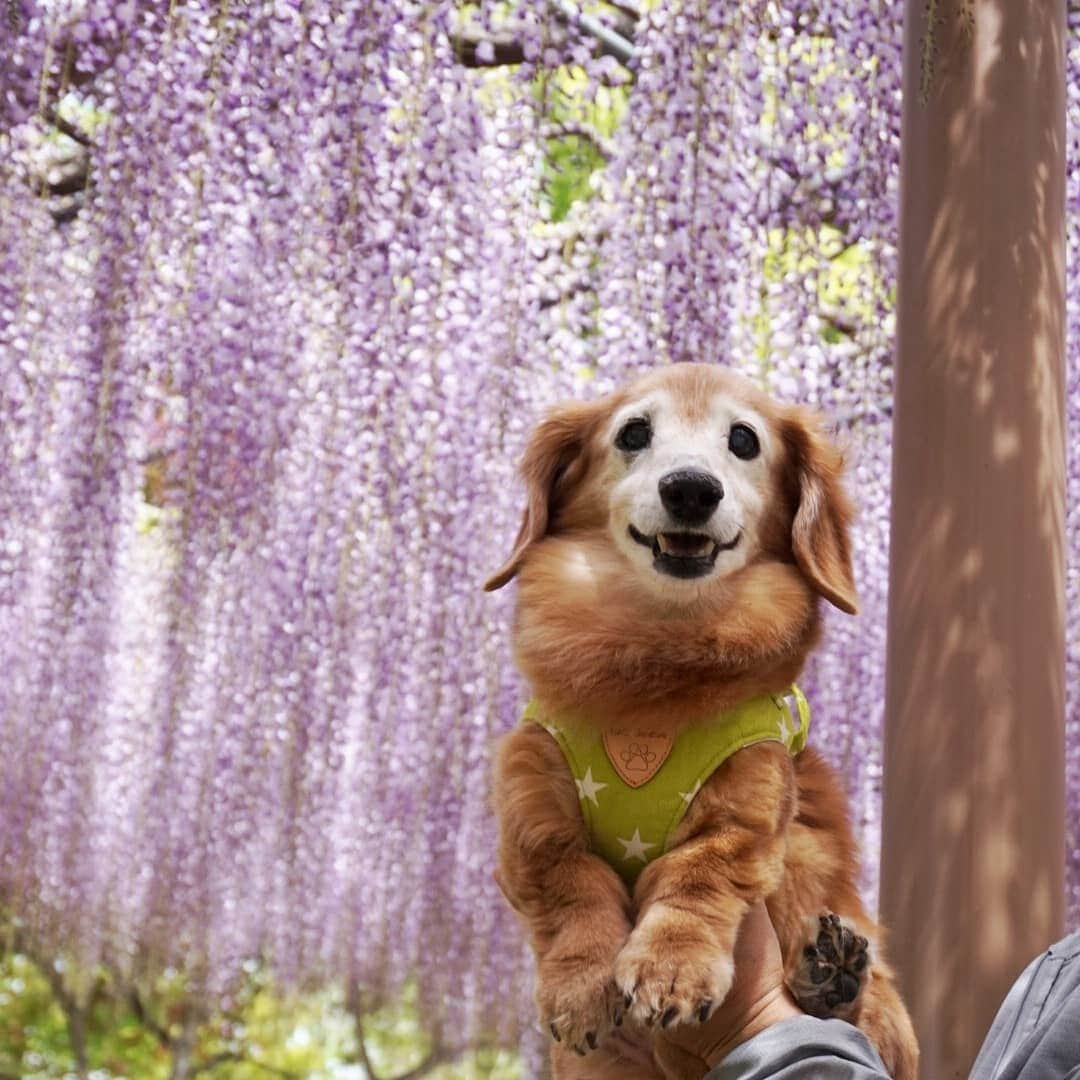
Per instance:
(281,294)
(249,393)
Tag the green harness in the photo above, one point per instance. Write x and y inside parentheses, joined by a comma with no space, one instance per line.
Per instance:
(635,784)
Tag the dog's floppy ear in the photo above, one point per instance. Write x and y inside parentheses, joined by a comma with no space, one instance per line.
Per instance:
(554,462)
(820,539)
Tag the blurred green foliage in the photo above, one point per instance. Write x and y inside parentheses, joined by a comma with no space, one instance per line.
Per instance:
(580,127)
(160,1033)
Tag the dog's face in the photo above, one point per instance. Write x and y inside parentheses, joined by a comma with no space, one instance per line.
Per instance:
(692,473)
(689,483)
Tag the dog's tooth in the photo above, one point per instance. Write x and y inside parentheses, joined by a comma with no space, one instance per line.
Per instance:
(686,545)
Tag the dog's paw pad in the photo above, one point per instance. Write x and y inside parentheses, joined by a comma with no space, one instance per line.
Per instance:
(832,969)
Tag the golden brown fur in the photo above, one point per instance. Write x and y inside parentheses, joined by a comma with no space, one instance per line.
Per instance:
(593,634)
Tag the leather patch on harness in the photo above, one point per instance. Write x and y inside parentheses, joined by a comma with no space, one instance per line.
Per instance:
(636,754)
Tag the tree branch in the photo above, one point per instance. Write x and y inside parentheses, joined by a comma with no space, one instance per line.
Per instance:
(611,42)
(355,1007)
(503,52)
(507,49)
(142,1014)
(183,1047)
(74,1014)
(627,8)
(581,130)
(66,127)
(226,1057)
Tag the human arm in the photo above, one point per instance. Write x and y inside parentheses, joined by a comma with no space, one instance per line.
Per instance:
(758,1033)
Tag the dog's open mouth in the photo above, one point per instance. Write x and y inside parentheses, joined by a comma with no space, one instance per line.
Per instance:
(683,554)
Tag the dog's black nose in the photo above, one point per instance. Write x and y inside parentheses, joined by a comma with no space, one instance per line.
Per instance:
(690,495)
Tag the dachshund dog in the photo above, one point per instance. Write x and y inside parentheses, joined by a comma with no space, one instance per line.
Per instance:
(677,538)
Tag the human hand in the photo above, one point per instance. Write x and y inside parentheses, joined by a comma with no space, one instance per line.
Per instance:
(757,1000)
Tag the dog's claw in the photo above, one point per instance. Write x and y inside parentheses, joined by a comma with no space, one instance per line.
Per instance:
(555,1032)
(703,1011)
(590,1038)
(669,1015)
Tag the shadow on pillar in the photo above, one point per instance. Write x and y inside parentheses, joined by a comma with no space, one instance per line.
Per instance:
(973,844)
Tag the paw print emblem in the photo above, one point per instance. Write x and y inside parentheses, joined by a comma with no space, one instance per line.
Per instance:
(637,757)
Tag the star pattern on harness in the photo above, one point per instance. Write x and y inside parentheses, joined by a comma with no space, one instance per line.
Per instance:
(635,846)
(787,732)
(587,787)
(688,796)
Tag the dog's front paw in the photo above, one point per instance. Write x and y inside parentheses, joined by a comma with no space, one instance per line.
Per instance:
(672,972)
(578,1000)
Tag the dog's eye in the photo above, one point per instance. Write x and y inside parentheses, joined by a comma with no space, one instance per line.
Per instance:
(743,442)
(634,435)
